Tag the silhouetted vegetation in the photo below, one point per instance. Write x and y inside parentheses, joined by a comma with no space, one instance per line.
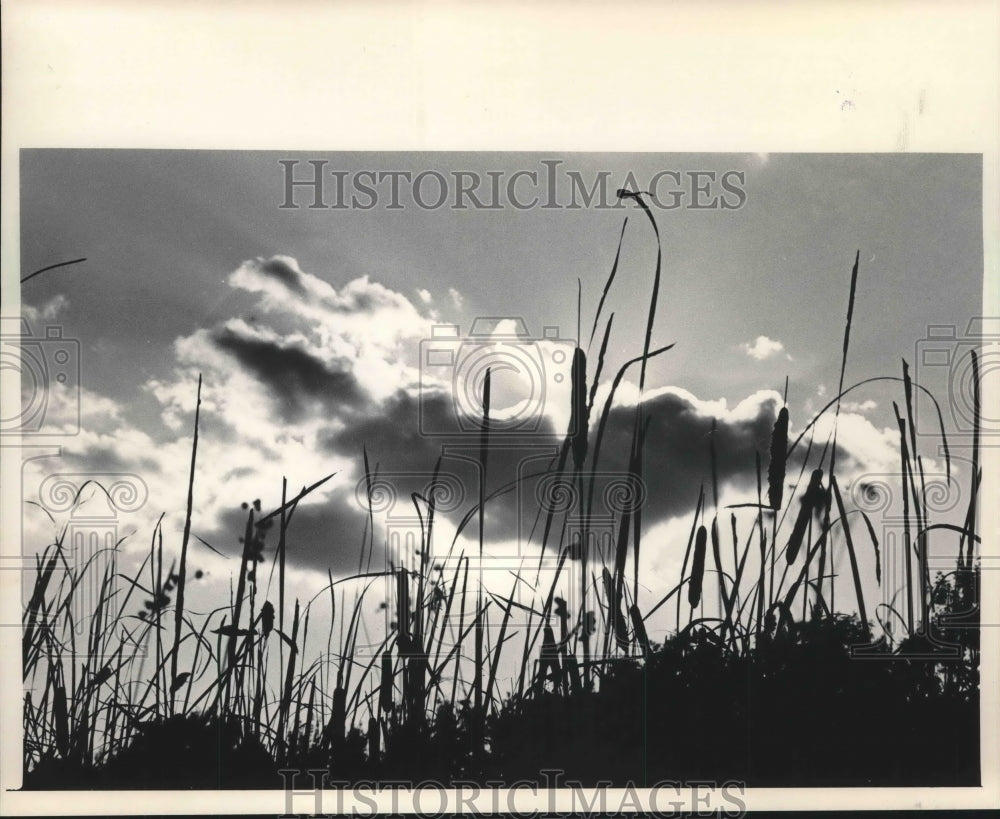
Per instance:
(773,688)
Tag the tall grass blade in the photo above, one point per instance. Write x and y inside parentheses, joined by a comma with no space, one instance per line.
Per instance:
(904,457)
(484,443)
(579,413)
(608,283)
(182,569)
(855,573)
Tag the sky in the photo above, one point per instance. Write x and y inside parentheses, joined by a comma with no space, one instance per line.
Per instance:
(310,326)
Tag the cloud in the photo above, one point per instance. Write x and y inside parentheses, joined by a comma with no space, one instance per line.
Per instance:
(456,298)
(322,536)
(323,374)
(294,375)
(763,348)
(425,295)
(859,406)
(283,286)
(306,362)
(49,311)
(679,439)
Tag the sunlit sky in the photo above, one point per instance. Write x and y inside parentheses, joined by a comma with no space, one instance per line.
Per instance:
(306,323)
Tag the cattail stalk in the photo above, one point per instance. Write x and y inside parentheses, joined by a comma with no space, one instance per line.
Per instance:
(776,466)
(810,501)
(182,569)
(484,441)
(698,567)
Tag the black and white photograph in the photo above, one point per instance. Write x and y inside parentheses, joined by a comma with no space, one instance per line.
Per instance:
(621,479)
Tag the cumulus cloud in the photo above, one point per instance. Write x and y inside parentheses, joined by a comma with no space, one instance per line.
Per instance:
(763,348)
(456,298)
(314,361)
(325,374)
(283,285)
(292,372)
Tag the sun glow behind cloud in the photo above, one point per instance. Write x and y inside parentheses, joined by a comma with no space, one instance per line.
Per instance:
(324,373)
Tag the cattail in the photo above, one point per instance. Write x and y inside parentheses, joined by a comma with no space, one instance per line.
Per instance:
(373,743)
(403,606)
(79,740)
(614,608)
(266,618)
(572,673)
(562,612)
(338,719)
(639,627)
(717,557)
(811,500)
(60,714)
(776,468)
(385,689)
(698,566)
(179,681)
(579,420)
(549,666)
(101,676)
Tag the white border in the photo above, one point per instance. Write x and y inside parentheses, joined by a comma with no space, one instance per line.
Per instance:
(737,76)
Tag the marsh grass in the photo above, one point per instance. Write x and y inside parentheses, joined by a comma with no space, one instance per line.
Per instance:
(173,698)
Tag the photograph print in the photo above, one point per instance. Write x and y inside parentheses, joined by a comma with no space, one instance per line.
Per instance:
(597,468)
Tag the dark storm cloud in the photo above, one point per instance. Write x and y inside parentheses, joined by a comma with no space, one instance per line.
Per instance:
(393,437)
(391,433)
(677,463)
(397,435)
(678,449)
(677,458)
(294,377)
(405,459)
(322,536)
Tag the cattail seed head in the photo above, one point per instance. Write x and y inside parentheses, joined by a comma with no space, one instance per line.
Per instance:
(698,566)
(579,420)
(385,689)
(266,618)
(811,500)
(373,740)
(639,627)
(776,468)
